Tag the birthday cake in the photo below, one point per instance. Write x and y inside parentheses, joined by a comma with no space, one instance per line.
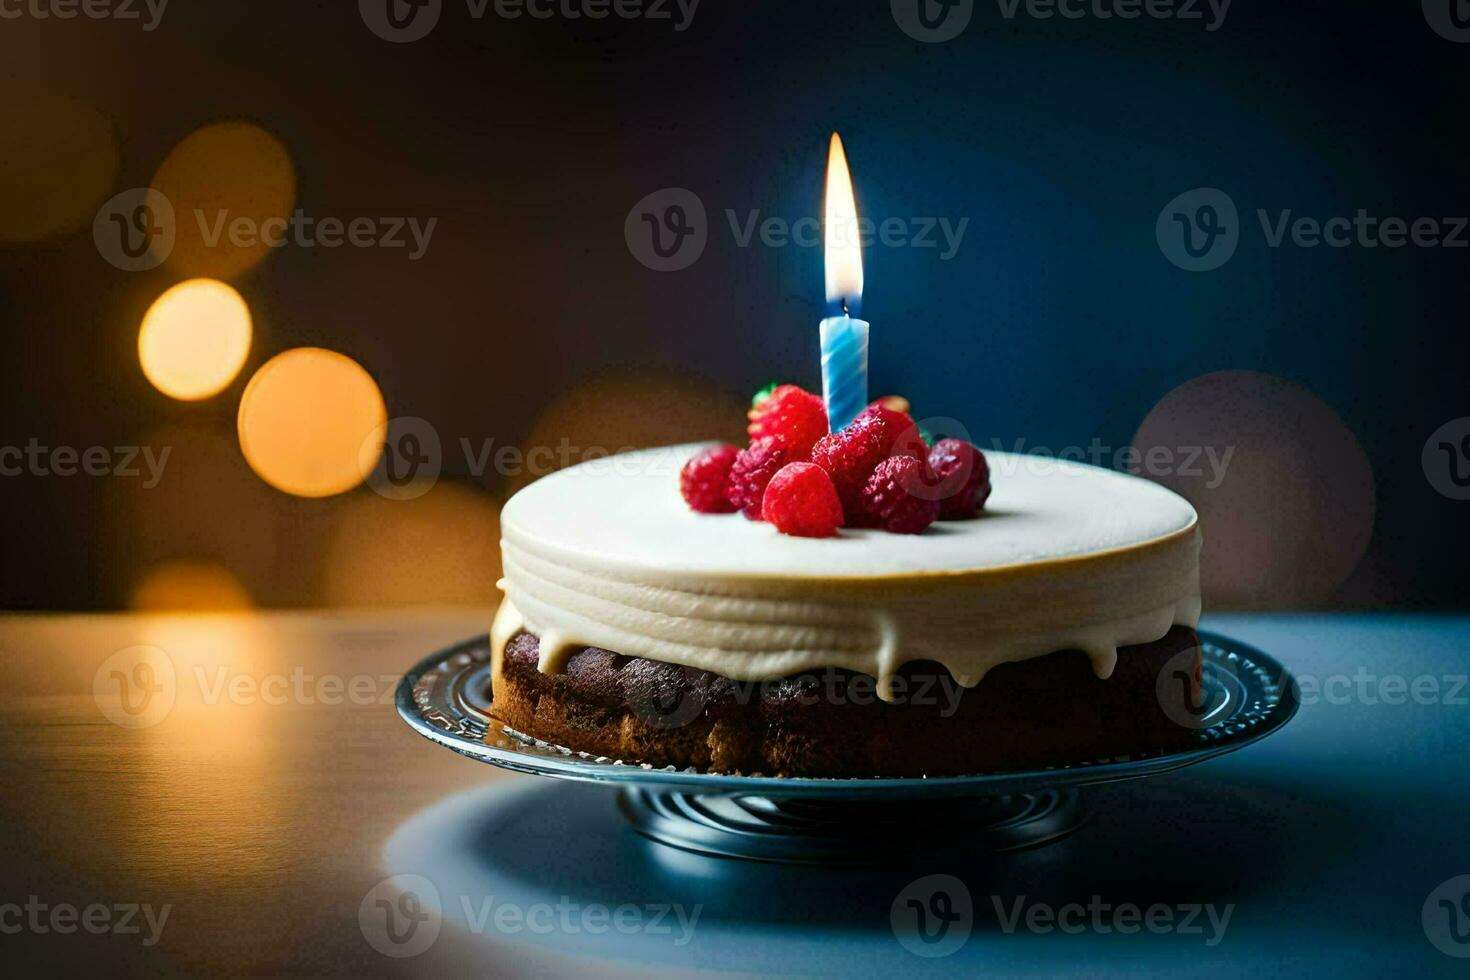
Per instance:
(860,603)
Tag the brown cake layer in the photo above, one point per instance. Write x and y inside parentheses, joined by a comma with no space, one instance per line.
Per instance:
(1044,711)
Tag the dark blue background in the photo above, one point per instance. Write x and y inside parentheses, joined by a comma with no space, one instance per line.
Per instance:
(1059,320)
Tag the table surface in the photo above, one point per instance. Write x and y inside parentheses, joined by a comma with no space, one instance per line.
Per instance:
(265,806)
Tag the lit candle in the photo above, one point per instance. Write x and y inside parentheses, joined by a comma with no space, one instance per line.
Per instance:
(844,339)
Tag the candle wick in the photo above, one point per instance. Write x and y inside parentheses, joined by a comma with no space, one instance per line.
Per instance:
(844,308)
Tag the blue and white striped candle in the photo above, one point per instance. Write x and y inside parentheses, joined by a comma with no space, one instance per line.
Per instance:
(844,340)
(844,368)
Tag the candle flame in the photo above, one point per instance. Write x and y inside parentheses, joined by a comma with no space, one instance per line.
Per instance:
(843,249)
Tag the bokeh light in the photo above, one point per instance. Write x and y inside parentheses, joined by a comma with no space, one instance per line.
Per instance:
(617,412)
(306,419)
(189,585)
(58,159)
(194,339)
(441,548)
(207,504)
(154,521)
(215,177)
(1288,514)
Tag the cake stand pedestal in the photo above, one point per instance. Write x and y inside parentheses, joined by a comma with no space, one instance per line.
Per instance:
(835,831)
(446,698)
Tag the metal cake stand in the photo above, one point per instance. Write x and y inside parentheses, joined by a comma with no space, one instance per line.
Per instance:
(1246,696)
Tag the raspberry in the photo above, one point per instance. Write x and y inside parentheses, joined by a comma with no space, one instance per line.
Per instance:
(963,479)
(901,436)
(895,498)
(705,479)
(849,457)
(801,500)
(794,418)
(753,469)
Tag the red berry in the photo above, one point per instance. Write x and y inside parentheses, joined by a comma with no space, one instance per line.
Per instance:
(705,479)
(792,417)
(801,500)
(901,435)
(963,479)
(895,498)
(849,457)
(752,470)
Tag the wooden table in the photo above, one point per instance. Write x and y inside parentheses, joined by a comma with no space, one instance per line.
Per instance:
(257,808)
(279,788)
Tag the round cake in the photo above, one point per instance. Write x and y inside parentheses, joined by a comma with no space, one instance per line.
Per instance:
(1033,634)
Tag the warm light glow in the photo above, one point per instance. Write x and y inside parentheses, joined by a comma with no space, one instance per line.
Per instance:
(305,422)
(439,549)
(844,250)
(191,586)
(194,339)
(624,410)
(235,681)
(233,187)
(173,509)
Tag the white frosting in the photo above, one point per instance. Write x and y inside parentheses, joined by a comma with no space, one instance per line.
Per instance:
(1066,556)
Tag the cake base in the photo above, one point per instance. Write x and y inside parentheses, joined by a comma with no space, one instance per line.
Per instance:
(1049,710)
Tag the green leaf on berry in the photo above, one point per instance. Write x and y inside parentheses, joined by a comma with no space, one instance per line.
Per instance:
(764,393)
